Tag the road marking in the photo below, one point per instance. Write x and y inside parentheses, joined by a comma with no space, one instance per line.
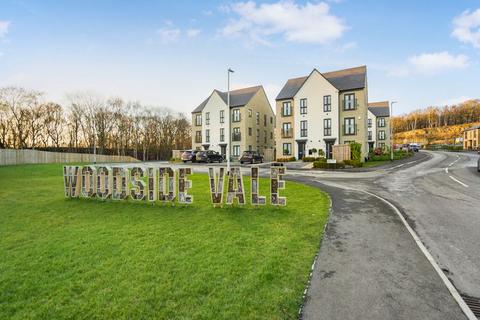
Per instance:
(458,181)
(451,288)
(446,170)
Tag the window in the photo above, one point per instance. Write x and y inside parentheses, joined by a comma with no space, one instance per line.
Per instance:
(258,135)
(381,135)
(303,106)
(258,117)
(236,136)
(286,130)
(327,103)
(222,134)
(327,127)
(207,135)
(271,120)
(349,127)
(236,151)
(264,136)
(287,149)
(369,123)
(250,113)
(303,128)
(381,122)
(382,145)
(198,136)
(287,109)
(236,115)
(222,116)
(250,132)
(349,102)
(265,120)
(198,120)
(207,118)
(249,147)
(271,135)
(370,134)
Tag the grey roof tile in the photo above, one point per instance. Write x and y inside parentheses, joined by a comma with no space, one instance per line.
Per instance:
(380,111)
(238,98)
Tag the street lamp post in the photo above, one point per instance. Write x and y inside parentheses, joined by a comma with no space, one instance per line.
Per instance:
(229,120)
(391,130)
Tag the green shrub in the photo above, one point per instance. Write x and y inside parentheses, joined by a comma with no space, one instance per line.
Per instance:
(353,163)
(356,151)
(325,165)
(286,159)
(312,159)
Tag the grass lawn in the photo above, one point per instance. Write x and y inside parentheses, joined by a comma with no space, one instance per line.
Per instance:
(83,258)
(368,164)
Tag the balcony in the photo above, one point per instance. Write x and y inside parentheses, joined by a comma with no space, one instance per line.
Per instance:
(236,136)
(350,130)
(287,133)
(350,104)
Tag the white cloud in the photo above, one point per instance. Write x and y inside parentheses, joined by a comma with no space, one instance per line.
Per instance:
(467,27)
(454,101)
(168,34)
(431,63)
(191,33)
(4,25)
(309,23)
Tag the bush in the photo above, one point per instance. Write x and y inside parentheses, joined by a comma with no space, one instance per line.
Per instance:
(378,151)
(356,151)
(312,159)
(286,159)
(353,163)
(325,165)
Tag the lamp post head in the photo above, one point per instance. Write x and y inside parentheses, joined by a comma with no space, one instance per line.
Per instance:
(230,70)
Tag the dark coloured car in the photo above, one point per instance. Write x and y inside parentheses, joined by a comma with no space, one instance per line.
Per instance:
(189,155)
(251,157)
(209,156)
(478,163)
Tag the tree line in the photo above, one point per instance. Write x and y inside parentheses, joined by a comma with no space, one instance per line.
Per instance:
(113,126)
(433,117)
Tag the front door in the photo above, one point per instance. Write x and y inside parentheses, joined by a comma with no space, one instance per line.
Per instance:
(223,150)
(329,149)
(301,150)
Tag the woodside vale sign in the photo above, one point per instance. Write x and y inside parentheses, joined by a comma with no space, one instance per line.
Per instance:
(166,185)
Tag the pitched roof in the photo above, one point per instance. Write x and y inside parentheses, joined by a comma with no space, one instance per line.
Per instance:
(238,98)
(379,109)
(346,79)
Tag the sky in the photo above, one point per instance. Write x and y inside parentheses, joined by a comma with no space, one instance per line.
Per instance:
(174,53)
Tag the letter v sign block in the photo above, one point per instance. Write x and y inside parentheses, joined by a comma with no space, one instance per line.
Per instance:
(216,185)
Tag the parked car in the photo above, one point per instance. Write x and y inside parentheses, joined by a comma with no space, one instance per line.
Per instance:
(209,156)
(478,163)
(414,147)
(189,155)
(251,157)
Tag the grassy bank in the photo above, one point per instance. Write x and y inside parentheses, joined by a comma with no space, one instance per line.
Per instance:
(78,258)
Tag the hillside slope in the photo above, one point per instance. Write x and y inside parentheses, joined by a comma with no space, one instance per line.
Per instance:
(436,135)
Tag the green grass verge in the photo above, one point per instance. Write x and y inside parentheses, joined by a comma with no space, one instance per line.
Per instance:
(369,164)
(82,258)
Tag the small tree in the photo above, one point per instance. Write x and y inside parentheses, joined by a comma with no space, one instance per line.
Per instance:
(356,150)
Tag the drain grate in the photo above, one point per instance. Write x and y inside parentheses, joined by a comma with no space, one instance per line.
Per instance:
(473,303)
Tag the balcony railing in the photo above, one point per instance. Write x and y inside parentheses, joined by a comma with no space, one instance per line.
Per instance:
(287,133)
(236,136)
(350,104)
(350,130)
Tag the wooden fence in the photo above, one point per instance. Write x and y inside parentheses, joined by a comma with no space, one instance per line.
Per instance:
(22,156)
(341,152)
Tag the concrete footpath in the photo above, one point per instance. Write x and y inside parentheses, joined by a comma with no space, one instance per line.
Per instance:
(369,266)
